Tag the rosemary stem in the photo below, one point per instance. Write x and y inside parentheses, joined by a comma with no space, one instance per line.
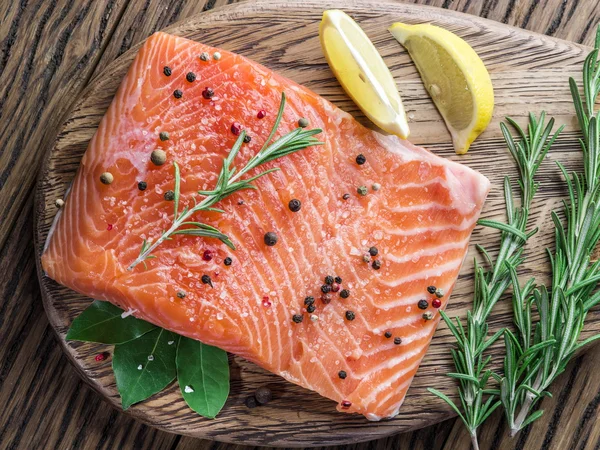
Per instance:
(177,223)
(523,412)
(474,440)
(160,240)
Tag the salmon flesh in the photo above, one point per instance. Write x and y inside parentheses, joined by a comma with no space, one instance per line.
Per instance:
(417,214)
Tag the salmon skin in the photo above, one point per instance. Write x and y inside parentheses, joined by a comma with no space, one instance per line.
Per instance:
(418,212)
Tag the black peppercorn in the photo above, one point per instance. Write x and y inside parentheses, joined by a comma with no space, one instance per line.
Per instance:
(263,395)
(431,289)
(297,318)
(142,185)
(247,139)
(350,315)
(373,251)
(295,205)
(329,279)
(423,304)
(270,238)
(177,93)
(208,93)
(344,293)
(181,294)
(309,300)
(169,196)
(346,196)
(227,261)
(311,308)
(325,288)
(163,136)
(342,374)
(191,77)
(167,71)
(360,159)
(338,280)
(206,280)
(376,264)
(250,402)
(397,341)
(388,334)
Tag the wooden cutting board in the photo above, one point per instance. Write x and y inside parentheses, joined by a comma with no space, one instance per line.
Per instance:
(529,72)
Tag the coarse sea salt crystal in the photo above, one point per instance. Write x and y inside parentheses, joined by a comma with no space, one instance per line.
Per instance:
(150,357)
(140,367)
(171,342)
(127,313)
(188,389)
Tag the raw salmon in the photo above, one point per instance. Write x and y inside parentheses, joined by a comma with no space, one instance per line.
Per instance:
(417,214)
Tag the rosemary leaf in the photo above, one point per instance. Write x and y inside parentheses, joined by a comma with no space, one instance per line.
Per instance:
(476,399)
(229,181)
(547,344)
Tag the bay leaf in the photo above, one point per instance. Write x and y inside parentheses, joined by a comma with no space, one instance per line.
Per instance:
(101,322)
(203,376)
(145,365)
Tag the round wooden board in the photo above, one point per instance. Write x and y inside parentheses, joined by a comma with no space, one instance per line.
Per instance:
(530,73)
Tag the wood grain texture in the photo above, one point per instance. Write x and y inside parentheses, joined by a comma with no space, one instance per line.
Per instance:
(529,72)
(45,404)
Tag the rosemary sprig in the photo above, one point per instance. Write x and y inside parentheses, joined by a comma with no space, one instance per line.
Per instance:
(538,352)
(476,400)
(230,181)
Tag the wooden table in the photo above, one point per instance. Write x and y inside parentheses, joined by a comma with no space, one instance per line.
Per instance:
(49,51)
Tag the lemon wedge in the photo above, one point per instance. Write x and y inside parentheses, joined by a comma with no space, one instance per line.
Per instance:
(359,68)
(454,76)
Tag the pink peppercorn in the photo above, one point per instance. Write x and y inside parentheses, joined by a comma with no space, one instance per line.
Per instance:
(346,404)
(335,287)
(436,303)
(207,255)
(266,302)
(101,356)
(236,128)
(261,114)
(109,227)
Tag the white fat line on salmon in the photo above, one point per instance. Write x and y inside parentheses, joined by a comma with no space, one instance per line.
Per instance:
(411,300)
(412,185)
(320,388)
(387,384)
(413,319)
(389,344)
(423,207)
(465,224)
(437,271)
(396,406)
(279,309)
(256,282)
(333,347)
(431,251)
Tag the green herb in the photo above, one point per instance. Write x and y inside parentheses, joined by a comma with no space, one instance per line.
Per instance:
(540,350)
(230,181)
(203,376)
(102,322)
(147,359)
(145,365)
(477,401)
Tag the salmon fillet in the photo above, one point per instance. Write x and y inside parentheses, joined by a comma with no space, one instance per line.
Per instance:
(420,220)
